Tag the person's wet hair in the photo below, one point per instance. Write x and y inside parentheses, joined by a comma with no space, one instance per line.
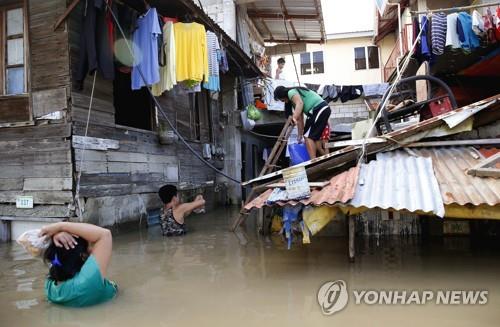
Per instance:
(65,264)
(167,192)
(280,93)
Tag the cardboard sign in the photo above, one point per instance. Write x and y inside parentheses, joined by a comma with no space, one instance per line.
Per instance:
(296,183)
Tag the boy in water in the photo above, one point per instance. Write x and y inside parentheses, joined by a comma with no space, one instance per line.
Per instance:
(174,212)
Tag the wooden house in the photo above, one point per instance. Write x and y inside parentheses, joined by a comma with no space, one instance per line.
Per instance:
(109,170)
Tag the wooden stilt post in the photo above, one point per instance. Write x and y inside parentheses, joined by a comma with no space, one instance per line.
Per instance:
(352,235)
(5,230)
(268,167)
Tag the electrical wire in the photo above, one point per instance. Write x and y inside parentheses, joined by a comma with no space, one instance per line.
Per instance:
(291,49)
(160,108)
(79,175)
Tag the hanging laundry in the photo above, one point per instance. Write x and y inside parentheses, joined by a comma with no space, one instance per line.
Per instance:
(451,31)
(331,93)
(438,28)
(424,41)
(167,61)
(496,21)
(96,52)
(265,154)
(416,31)
(213,63)
(145,48)
(468,40)
(477,23)
(375,89)
(489,27)
(223,63)
(191,47)
(350,92)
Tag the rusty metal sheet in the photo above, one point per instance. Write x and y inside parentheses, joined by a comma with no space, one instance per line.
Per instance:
(457,187)
(340,190)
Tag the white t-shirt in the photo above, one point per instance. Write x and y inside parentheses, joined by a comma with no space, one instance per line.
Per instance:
(451,31)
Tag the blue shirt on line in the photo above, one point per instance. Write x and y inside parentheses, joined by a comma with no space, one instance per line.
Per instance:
(145,46)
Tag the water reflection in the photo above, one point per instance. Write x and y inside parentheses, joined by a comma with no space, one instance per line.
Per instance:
(212,276)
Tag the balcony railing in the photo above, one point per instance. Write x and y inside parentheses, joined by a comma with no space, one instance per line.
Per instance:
(392,63)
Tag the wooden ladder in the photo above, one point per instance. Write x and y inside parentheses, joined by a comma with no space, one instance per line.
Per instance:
(268,168)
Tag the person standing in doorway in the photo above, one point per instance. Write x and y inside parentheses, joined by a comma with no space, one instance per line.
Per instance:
(309,103)
(279,70)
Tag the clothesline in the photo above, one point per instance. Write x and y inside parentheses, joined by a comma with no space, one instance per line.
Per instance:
(414,13)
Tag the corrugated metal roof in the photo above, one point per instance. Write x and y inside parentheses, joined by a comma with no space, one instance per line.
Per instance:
(340,190)
(399,181)
(457,187)
(304,20)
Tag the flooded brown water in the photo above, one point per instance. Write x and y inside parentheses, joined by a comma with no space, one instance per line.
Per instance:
(212,277)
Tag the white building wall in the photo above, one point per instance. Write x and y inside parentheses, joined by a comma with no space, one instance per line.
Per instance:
(338,56)
(223,12)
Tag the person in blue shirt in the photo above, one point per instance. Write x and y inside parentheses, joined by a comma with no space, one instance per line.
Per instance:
(78,257)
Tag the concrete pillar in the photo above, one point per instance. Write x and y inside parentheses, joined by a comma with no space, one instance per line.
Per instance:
(223,12)
(231,141)
(5,234)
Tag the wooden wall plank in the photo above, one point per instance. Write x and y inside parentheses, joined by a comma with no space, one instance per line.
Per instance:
(48,101)
(96,117)
(90,155)
(127,167)
(36,145)
(120,178)
(119,189)
(11,184)
(92,167)
(39,197)
(14,109)
(49,51)
(35,132)
(40,158)
(93,143)
(83,101)
(38,211)
(113,156)
(48,184)
(57,170)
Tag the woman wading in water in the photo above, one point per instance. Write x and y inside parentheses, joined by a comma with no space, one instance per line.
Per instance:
(78,256)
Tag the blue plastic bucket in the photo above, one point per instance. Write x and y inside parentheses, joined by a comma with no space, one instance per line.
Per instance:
(298,153)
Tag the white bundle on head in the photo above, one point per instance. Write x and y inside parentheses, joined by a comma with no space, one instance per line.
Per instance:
(33,242)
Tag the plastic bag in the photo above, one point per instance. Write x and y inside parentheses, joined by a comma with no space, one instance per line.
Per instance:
(316,218)
(298,153)
(33,243)
(290,215)
(253,113)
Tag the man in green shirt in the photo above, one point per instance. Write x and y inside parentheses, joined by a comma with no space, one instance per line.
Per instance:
(309,103)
